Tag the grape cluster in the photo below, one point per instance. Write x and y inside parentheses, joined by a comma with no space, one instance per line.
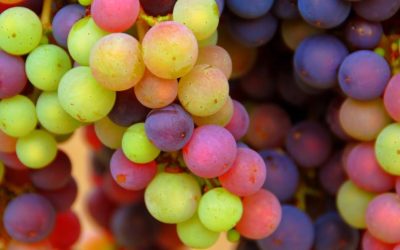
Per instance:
(273,122)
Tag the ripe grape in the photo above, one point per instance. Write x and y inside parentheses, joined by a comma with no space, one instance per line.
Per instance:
(66,231)
(363,34)
(374,10)
(12,75)
(239,123)
(216,56)
(109,133)
(250,9)
(157,7)
(221,118)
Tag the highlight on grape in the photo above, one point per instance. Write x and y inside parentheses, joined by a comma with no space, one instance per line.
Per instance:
(258,125)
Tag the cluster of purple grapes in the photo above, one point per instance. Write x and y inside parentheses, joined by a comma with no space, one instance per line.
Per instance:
(299,150)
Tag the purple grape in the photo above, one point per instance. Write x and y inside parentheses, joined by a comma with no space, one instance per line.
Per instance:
(12,75)
(29,218)
(324,14)
(294,232)
(127,109)
(286,9)
(251,8)
(169,128)
(100,208)
(64,19)
(376,10)
(158,7)
(317,60)
(55,175)
(363,34)
(239,122)
(283,175)
(332,174)
(62,198)
(363,75)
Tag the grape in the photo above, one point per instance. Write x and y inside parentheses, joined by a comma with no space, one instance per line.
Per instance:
(295,231)
(45,66)
(331,233)
(363,120)
(369,242)
(387,149)
(17,116)
(210,152)
(21,225)
(52,116)
(295,31)
(157,7)
(285,9)
(283,175)
(268,126)
(116,61)
(37,149)
(247,174)
(239,123)
(172,197)
(309,143)
(209,41)
(352,204)
(200,16)
(254,32)
(55,175)
(374,10)
(221,118)
(12,75)
(7,143)
(63,21)
(81,38)
(134,228)
(216,56)
(169,128)
(136,145)
(367,82)
(261,215)
(364,170)
(332,174)
(82,97)
(20,30)
(363,34)
(16,245)
(109,133)
(100,208)
(130,175)
(127,109)
(85,2)
(115,16)
(324,14)
(154,92)
(204,90)
(333,120)
(66,231)
(380,216)
(250,9)
(219,210)
(221,5)
(118,194)
(181,45)
(391,99)
(62,198)
(317,60)
(194,234)
(11,161)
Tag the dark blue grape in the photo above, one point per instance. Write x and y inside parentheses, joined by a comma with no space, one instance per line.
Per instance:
(376,10)
(317,60)
(286,9)
(363,75)
(250,8)
(363,34)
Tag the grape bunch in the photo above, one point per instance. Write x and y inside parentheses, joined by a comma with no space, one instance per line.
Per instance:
(271,122)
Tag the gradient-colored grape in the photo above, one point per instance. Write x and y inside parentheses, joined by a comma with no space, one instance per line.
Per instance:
(7,143)
(116,61)
(216,56)
(391,97)
(109,133)
(239,123)
(369,242)
(221,118)
(295,31)
(181,45)
(12,75)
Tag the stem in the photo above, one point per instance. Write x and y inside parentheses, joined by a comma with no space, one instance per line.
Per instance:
(208,184)
(46,15)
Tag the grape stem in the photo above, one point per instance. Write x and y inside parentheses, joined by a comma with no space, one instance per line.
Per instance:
(145,21)
(46,15)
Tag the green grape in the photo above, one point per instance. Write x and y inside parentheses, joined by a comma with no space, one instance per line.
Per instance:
(82,37)
(193,234)
(2,172)
(17,116)
(85,2)
(220,210)
(352,204)
(109,133)
(20,30)
(200,16)
(82,97)
(172,197)
(233,236)
(136,145)
(37,149)
(387,147)
(204,90)
(52,116)
(45,66)
(212,40)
